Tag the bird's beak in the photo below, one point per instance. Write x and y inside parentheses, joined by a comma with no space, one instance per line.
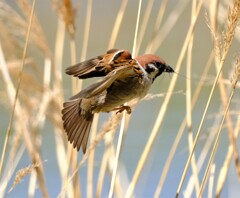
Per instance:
(168,69)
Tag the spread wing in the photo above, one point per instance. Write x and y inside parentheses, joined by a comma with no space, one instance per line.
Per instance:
(101,65)
(98,87)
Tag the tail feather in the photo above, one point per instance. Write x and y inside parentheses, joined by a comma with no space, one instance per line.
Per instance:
(76,125)
(79,139)
(68,112)
(85,139)
(74,129)
(67,122)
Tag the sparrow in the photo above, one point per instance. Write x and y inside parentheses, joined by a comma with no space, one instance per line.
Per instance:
(123,79)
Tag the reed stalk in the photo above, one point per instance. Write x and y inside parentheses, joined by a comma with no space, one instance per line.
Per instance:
(32,79)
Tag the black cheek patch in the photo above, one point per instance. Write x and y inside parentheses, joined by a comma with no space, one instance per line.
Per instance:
(149,69)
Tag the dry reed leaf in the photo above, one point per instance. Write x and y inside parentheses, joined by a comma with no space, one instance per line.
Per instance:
(22,173)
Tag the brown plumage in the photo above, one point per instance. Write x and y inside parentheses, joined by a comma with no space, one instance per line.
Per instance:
(123,79)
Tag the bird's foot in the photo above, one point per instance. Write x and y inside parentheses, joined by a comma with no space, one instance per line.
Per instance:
(122,108)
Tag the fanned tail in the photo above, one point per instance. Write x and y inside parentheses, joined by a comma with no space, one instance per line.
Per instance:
(76,125)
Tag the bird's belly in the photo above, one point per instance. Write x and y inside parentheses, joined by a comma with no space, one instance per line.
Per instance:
(123,91)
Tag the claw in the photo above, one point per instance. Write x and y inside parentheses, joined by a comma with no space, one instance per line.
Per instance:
(122,108)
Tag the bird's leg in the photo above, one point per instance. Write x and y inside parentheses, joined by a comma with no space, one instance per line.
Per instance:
(122,108)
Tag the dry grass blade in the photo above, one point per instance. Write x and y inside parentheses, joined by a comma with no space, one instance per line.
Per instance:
(108,153)
(109,126)
(161,13)
(164,31)
(211,181)
(112,40)
(119,145)
(102,172)
(224,170)
(162,110)
(122,128)
(231,150)
(215,147)
(67,12)
(233,18)
(182,127)
(144,25)
(87,30)
(188,105)
(17,90)
(223,91)
(61,151)
(36,115)
(227,38)
(90,177)
(117,24)
(136,30)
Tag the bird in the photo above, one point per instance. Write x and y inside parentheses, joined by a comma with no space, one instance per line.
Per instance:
(123,78)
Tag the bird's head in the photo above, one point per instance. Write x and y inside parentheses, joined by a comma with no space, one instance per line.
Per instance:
(153,65)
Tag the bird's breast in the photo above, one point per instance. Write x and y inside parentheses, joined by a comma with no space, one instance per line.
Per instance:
(122,91)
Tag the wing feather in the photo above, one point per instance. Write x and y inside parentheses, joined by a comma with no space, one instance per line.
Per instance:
(106,82)
(100,65)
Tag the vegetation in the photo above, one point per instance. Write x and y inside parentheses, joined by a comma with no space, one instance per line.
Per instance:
(33,86)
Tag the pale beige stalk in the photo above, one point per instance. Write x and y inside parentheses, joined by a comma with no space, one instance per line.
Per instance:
(122,128)
(222,177)
(215,147)
(163,109)
(227,44)
(117,24)
(188,103)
